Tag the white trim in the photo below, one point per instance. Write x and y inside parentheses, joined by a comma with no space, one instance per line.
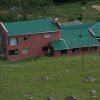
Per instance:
(59,25)
(64,42)
(89,46)
(4,27)
(91,31)
(36,33)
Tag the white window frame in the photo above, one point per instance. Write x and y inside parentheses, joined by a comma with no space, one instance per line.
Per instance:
(46,36)
(25,51)
(12,41)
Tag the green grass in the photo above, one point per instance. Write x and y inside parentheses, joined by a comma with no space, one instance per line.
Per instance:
(20,78)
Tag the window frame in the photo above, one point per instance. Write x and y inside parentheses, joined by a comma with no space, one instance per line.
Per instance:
(25,51)
(47,36)
(63,51)
(26,38)
(75,50)
(11,42)
(11,52)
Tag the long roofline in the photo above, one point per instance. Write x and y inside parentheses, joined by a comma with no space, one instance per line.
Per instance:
(36,33)
(4,27)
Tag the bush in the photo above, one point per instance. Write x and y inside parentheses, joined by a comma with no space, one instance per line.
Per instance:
(83,2)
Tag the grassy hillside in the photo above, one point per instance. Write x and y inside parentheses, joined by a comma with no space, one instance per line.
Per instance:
(65,77)
(62,11)
(72,10)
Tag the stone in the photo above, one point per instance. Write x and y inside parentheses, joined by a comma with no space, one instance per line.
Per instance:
(94,93)
(44,78)
(28,97)
(71,98)
(66,71)
(89,79)
(34,58)
(51,98)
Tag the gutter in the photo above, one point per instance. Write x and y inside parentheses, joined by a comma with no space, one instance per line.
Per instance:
(36,33)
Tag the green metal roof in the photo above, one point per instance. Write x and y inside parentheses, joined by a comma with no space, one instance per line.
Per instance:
(59,45)
(70,23)
(33,26)
(96,29)
(78,36)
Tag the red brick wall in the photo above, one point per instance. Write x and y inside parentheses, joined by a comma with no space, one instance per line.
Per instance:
(56,53)
(35,44)
(80,51)
(4,40)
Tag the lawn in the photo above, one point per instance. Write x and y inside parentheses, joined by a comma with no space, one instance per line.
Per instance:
(65,77)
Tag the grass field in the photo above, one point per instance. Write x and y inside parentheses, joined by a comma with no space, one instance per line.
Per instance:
(65,77)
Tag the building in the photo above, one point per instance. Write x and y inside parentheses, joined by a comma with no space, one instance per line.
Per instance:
(26,39)
(77,39)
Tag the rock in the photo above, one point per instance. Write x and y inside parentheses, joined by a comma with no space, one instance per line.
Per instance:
(89,79)
(34,58)
(71,98)
(44,78)
(28,97)
(51,98)
(66,71)
(94,93)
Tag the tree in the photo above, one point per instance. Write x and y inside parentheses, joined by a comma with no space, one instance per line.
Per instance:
(23,6)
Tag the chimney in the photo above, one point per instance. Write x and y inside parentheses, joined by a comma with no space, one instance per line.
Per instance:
(56,21)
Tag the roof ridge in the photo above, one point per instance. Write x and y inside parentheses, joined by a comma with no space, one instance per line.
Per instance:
(65,42)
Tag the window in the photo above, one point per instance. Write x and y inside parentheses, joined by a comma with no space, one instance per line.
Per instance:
(45,48)
(13,52)
(63,51)
(25,51)
(13,41)
(91,48)
(47,36)
(74,50)
(26,38)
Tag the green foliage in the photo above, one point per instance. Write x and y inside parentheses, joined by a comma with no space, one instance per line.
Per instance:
(83,2)
(35,9)
(7,17)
